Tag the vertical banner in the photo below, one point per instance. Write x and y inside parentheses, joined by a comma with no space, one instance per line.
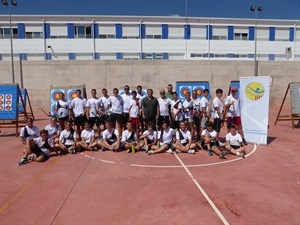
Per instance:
(255,92)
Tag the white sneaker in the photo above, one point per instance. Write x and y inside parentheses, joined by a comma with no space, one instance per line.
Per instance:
(191,151)
(177,151)
(151,152)
(169,151)
(146,149)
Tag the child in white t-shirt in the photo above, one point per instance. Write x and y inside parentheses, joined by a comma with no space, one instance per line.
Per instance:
(88,138)
(234,142)
(148,139)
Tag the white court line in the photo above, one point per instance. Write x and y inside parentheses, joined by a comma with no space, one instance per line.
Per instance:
(198,165)
(102,160)
(220,215)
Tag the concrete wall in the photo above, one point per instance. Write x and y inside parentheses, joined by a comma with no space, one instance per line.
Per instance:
(39,75)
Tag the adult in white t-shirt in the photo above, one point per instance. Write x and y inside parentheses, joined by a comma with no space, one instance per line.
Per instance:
(93,110)
(176,111)
(63,110)
(204,103)
(184,140)
(232,104)
(218,113)
(116,110)
(126,103)
(164,108)
(78,109)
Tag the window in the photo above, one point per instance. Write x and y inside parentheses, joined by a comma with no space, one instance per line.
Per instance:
(240,36)
(30,35)
(58,32)
(83,32)
(5,32)
(130,31)
(106,32)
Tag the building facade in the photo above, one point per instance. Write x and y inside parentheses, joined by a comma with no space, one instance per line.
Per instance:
(152,38)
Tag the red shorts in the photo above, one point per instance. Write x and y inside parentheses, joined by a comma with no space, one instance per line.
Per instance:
(135,121)
(234,121)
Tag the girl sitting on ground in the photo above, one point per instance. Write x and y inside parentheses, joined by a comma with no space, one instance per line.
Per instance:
(148,139)
(88,141)
(68,139)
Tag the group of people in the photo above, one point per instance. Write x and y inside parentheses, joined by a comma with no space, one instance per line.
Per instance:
(134,121)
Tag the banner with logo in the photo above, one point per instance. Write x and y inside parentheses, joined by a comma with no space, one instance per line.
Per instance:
(254,93)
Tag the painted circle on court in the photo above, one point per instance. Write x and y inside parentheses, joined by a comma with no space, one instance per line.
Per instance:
(72,94)
(254,91)
(55,94)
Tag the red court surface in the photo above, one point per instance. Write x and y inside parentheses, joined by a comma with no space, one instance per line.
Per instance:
(120,188)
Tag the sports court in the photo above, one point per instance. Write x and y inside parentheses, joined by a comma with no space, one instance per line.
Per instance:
(121,188)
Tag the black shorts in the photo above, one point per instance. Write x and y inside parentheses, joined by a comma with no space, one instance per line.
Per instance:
(110,142)
(125,117)
(204,146)
(94,120)
(36,150)
(66,118)
(80,120)
(217,124)
(163,119)
(103,119)
(116,118)
(235,146)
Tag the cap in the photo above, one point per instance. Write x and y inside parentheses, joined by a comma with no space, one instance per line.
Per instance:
(234,89)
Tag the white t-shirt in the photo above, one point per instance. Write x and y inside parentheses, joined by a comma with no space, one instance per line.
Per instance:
(211,134)
(134,108)
(140,96)
(78,106)
(205,104)
(235,140)
(63,108)
(94,104)
(64,137)
(190,106)
(197,106)
(174,109)
(167,136)
(233,110)
(217,103)
(126,135)
(185,134)
(108,135)
(164,104)
(150,136)
(33,132)
(105,103)
(38,141)
(126,102)
(87,135)
(53,130)
(116,104)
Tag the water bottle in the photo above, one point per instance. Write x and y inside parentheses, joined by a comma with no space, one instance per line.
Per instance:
(132,148)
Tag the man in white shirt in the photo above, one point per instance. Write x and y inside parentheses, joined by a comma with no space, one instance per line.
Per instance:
(78,110)
(218,114)
(232,104)
(140,95)
(176,107)
(204,103)
(126,103)
(197,114)
(63,110)
(116,110)
(93,110)
(104,111)
(184,140)
(188,109)
(164,108)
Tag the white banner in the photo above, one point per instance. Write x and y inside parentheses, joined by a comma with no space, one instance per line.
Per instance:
(254,93)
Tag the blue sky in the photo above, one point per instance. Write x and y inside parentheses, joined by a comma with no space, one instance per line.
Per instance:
(272,9)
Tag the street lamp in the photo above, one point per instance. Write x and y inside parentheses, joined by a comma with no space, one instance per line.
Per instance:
(12,3)
(255,10)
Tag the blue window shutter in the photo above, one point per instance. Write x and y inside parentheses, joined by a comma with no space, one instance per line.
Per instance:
(21,30)
(71,30)
(165,31)
(292,34)
(251,33)
(47,30)
(119,32)
(230,33)
(209,32)
(187,32)
(271,33)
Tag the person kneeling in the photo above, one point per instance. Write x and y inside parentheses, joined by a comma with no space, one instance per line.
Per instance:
(234,142)
(38,149)
(184,140)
